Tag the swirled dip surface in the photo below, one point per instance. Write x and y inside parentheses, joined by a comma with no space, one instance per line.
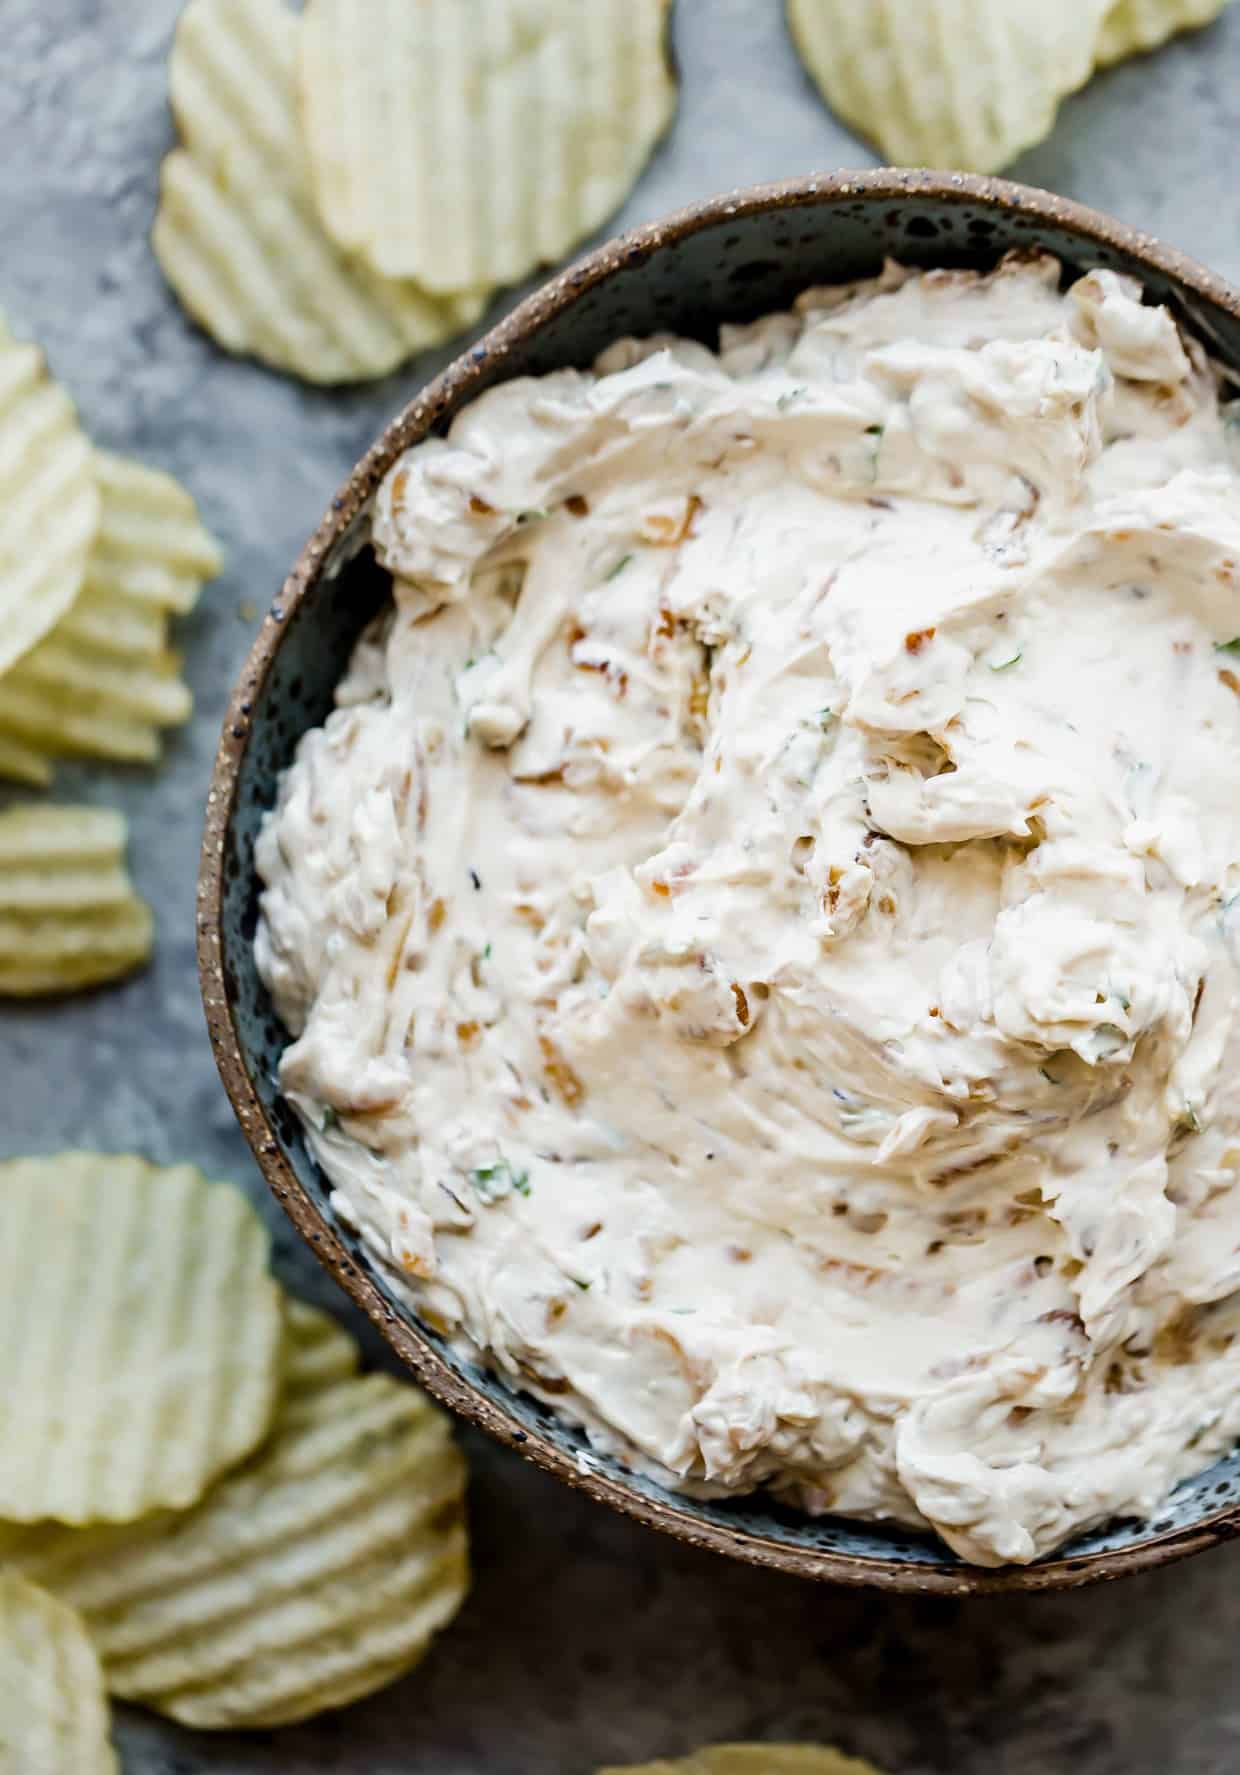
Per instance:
(758,926)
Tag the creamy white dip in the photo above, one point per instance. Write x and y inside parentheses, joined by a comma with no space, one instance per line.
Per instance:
(760,925)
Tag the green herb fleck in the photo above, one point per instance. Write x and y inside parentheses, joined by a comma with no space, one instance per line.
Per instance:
(1232,646)
(486,954)
(330,1120)
(1049,1076)
(786,399)
(1189,1119)
(825,718)
(1005,663)
(493,1182)
(875,434)
(619,567)
(470,663)
(532,516)
(578,1283)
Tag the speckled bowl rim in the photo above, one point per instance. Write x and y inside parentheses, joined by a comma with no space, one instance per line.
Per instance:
(447,393)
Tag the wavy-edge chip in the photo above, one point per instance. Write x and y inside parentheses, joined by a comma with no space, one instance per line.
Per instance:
(104,682)
(319,1352)
(754,1759)
(143,1337)
(313,1575)
(1135,27)
(236,231)
(54,1717)
(969,83)
(69,915)
(49,503)
(465,146)
(23,763)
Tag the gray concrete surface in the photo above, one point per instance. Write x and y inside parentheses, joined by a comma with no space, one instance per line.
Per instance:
(586,1639)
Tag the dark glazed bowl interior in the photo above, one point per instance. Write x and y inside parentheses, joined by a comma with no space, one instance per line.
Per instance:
(726,260)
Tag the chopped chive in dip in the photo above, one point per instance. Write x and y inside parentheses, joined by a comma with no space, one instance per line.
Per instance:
(486,953)
(476,879)
(578,1283)
(1003,664)
(1049,1076)
(874,431)
(1189,1119)
(786,399)
(619,567)
(825,718)
(1232,646)
(493,1182)
(330,1120)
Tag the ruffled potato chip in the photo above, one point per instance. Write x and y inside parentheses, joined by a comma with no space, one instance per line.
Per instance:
(104,682)
(319,1352)
(53,1709)
(465,144)
(968,83)
(142,1336)
(755,1759)
(23,763)
(1134,27)
(49,503)
(237,233)
(153,548)
(69,916)
(311,1576)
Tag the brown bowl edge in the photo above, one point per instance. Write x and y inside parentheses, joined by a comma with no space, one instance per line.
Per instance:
(448,392)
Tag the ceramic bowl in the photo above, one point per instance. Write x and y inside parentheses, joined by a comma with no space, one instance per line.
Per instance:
(728,259)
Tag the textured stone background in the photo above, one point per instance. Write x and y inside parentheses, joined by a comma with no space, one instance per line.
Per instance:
(586,1640)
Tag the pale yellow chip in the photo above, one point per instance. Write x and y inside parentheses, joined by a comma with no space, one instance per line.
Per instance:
(313,1575)
(466,142)
(1134,27)
(237,233)
(152,548)
(53,1708)
(105,681)
(69,915)
(318,1351)
(968,83)
(23,763)
(69,695)
(754,1759)
(142,1336)
(49,504)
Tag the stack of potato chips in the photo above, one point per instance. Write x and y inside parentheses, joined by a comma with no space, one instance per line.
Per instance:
(204,1506)
(97,554)
(352,185)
